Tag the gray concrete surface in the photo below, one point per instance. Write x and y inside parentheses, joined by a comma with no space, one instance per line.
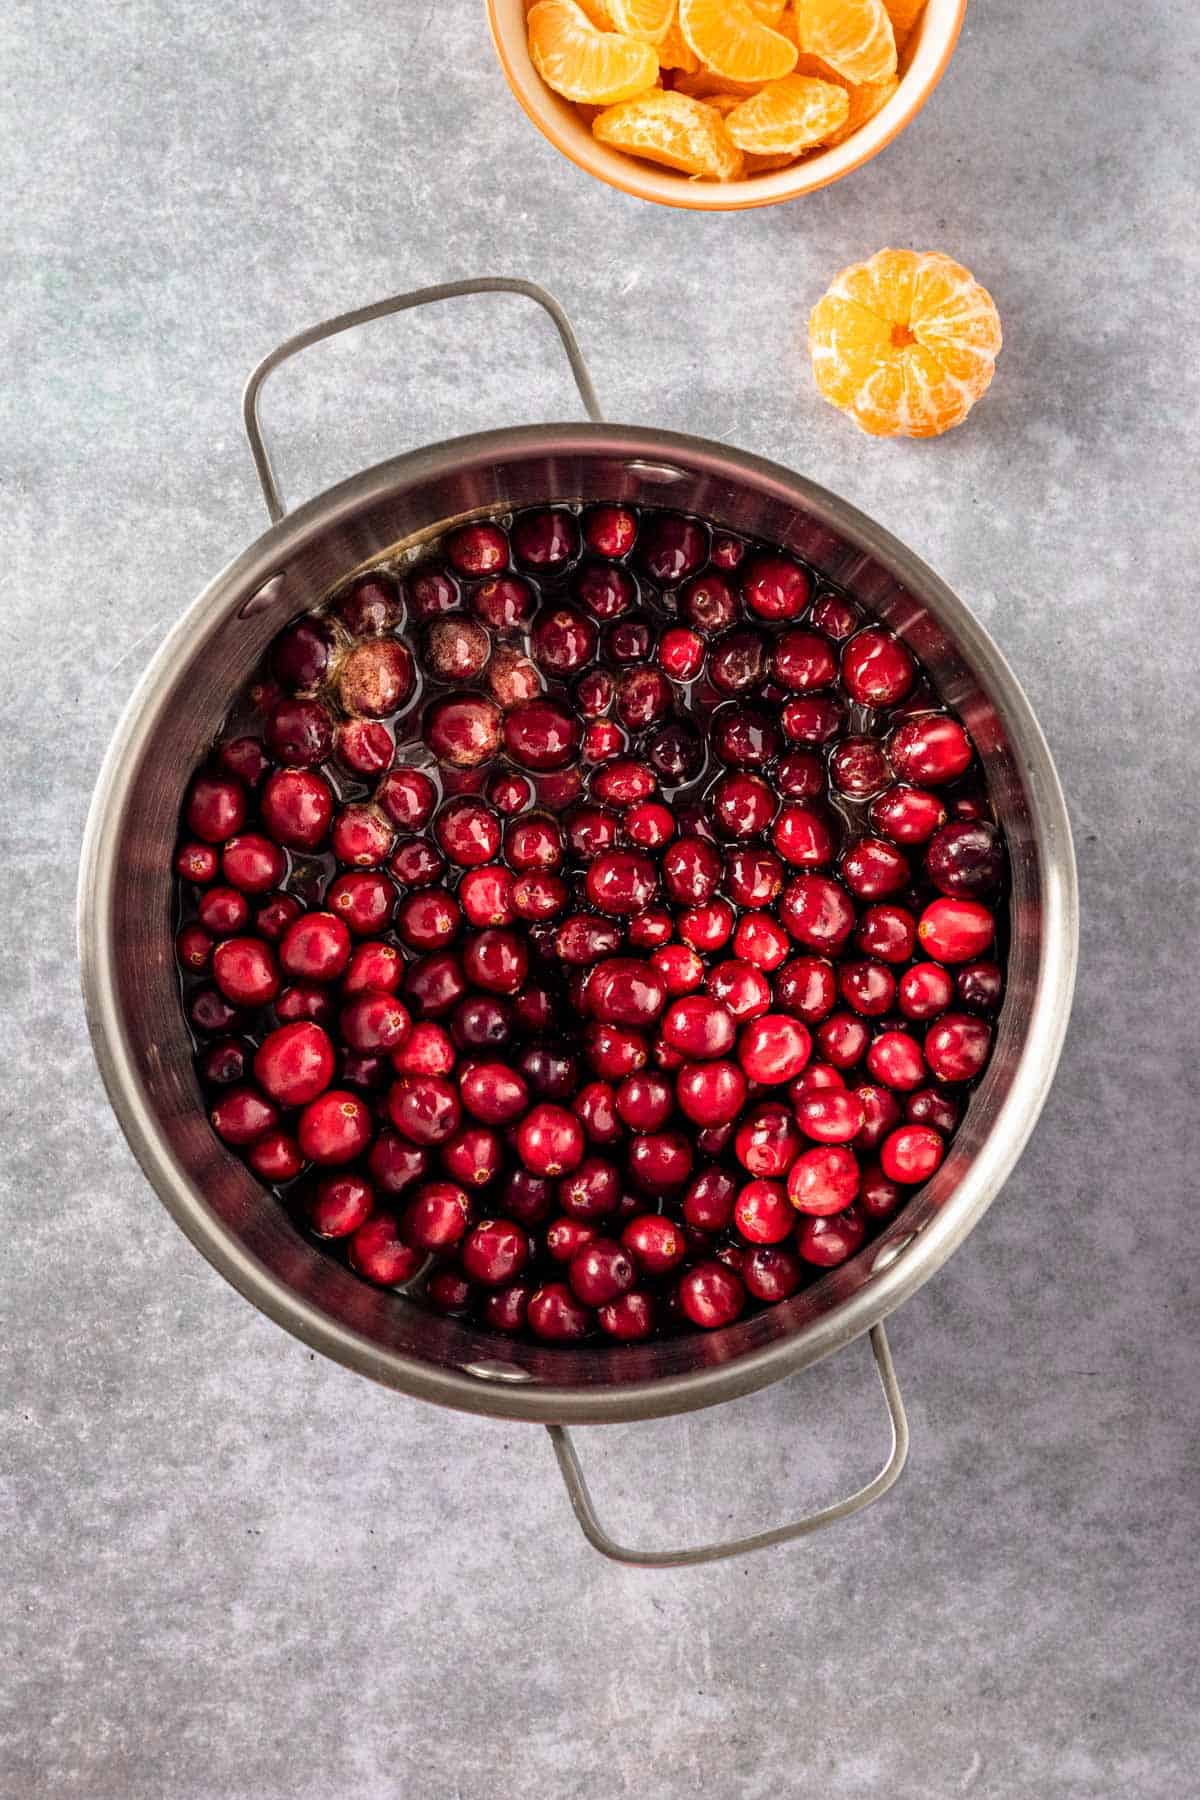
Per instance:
(231,1572)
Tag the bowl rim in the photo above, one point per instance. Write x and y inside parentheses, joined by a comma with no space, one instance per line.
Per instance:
(663,187)
(913,1257)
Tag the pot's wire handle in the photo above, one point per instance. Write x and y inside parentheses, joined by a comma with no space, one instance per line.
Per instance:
(594,1532)
(381,309)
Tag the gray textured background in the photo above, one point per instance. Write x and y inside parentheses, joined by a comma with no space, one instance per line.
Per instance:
(231,1572)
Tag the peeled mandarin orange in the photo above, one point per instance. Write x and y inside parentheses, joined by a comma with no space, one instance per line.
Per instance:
(582,63)
(854,36)
(730,40)
(904,15)
(865,101)
(704,85)
(648,20)
(667,127)
(673,52)
(905,343)
(769,11)
(788,115)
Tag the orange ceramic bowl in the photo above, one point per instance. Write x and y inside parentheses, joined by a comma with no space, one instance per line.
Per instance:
(922,66)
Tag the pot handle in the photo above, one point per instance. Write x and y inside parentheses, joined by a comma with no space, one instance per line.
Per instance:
(594,1532)
(381,309)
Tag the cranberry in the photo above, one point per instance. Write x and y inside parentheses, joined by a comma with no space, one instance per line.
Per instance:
(481,1022)
(931,1106)
(503,601)
(659,1161)
(810,719)
(759,940)
(196,863)
(762,1213)
(836,616)
(295,1063)
(299,733)
(807,987)
(276,913)
(431,590)
(681,653)
(601,1271)
(468,832)
(771,1273)
(301,654)
(424,1108)
(979,986)
(394,1164)
(449,1292)
(581,940)
(676,752)
(803,660)
(877,669)
(888,933)
(956,931)
(831,1115)
(656,1244)
(859,768)
(774,1048)
(933,750)
(485,895)
(297,805)
(628,641)
(335,1128)
(709,604)
(738,661)
(867,987)
(364,746)
(842,1039)
(365,900)
(504,1308)
(435,984)
(494,1093)
(965,859)
(304,1002)
(480,548)
(550,1140)
(613,1051)
(830,1240)
(563,640)
(878,1197)
(554,1314)
(671,547)
(817,912)
(546,538)
(494,1252)
(629,1318)
(824,1180)
(907,815)
(224,1062)
(711,1295)
(275,1157)
(727,550)
(512,679)
(895,1059)
(223,912)
(362,836)
(880,1111)
(708,1200)
(812,1078)
(799,775)
(621,881)
(496,960)
(767,1141)
(540,734)
(957,1046)
(456,649)
(623,991)
(775,587)
(533,843)
(802,837)
(376,678)
(743,736)
(241,1116)
(378,1251)
(698,1027)
(463,729)
(215,808)
(340,1204)
(707,928)
(595,1108)
(374,1023)
(926,989)
(437,1216)
(473,1156)
(743,804)
(245,970)
(408,797)
(244,758)
(710,1093)
(591,1191)
(509,792)
(609,530)
(416,863)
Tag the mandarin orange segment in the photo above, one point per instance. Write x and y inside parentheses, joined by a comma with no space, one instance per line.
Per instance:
(648,20)
(904,15)
(906,343)
(731,40)
(668,127)
(704,85)
(865,101)
(674,53)
(854,36)
(598,68)
(787,116)
(769,11)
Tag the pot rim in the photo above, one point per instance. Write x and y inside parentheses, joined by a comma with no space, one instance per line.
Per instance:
(904,1261)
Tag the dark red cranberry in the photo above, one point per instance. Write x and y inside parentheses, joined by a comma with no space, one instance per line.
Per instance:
(859,768)
(931,1106)
(244,758)
(408,797)
(335,1128)
(431,590)
(628,641)
(339,1205)
(671,547)
(481,1022)
(364,899)
(812,1079)
(888,933)
(711,1295)
(534,842)
(275,1157)
(957,1046)
(965,859)
(603,740)
(828,1241)
(651,929)
(456,649)
(877,669)
(807,987)
(555,1314)
(494,1252)
(676,752)
(767,1141)
(818,913)
(880,1111)
(299,733)
(771,1273)
(224,1062)
(275,914)
(375,1024)
(595,1108)
(842,1039)
(681,653)
(802,661)
(774,587)
(563,640)
(369,606)
(424,1108)
(708,1200)
(624,991)
(550,1140)
(657,1244)
(649,825)
(510,793)
(485,895)
(377,1251)
(197,863)
(581,940)
(629,1318)
(698,1027)
(895,1059)
(468,832)
(215,808)
(495,1094)
(824,1180)
(709,604)
(621,882)
(449,1292)
(504,602)
(301,1001)
(480,548)
(799,775)
(394,1164)
(297,806)
(540,734)
(504,1308)
(932,750)
(774,1048)
(591,1191)
(727,550)
(659,1161)
(362,836)
(364,746)
(496,960)
(437,1216)
(546,538)
(643,698)
(606,592)
(609,530)
(742,804)
(710,1093)
(738,661)
(811,719)
(836,616)
(416,863)
(872,868)
(907,815)
(246,972)
(831,1115)
(526,1197)
(878,1197)
(223,912)
(926,989)
(743,736)
(601,1271)
(979,986)
(241,1115)
(759,940)
(613,1051)
(473,1156)
(463,729)
(301,654)
(295,1063)
(533,1008)
(740,988)
(802,836)
(868,988)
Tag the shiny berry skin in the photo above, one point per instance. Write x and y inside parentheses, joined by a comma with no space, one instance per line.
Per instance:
(375,678)
(895,1059)
(315,948)
(743,736)
(830,1240)
(428,920)
(300,1001)
(550,1140)
(301,654)
(245,970)
(374,1024)
(957,1047)
(334,1128)
(566,1236)
(299,733)
(581,940)
(643,698)
(545,538)
(925,990)
(408,797)
(812,1078)
(831,1115)
(803,660)
(424,1108)
(361,836)
(807,987)
(295,1063)
(394,1164)
(215,808)
(842,1039)
(364,746)
(468,832)
(644,1101)
(511,678)
(591,1191)
(877,669)
(481,1022)
(965,859)
(711,1295)
(621,882)
(431,590)
(496,960)
(930,751)
(197,863)
(708,1199)
(659,1162)
(681,653)
(911,1154)
(743,804)
(601,1271)
(456,649)
(868,988)
(740,988)
(494,1252)
(878,1198)
(823,1181)
(979,986)
(771,1273)
(562,641)
(504,1308)
(907,815)
(873,869)
(762,1212)
(691,870)
(698,1027)
(449,1292)
(708,604)
(710,1093)
(493,1093)
(555,1315)
(297,806)
(880,1112)
(275,1157)
(377,1251)
(625,991)
(541,734)
(759,940)
(836,616)
(477,549)
(629,1318)
(340,1204)
(768,1141)
(774,1048)
(364,899)
(504,602)
(463,730)
(657,1244)
(818,912)
(738,661)
(437,1216)
(473,1156)
(224,911)
(774,587)
(887,933)
(802,837)
(609,530)
(811,719)
(932,1106)
(859,768)
(671,547)
(707,928)
(241,1116)
(799,775)
(276,913)
(955,931)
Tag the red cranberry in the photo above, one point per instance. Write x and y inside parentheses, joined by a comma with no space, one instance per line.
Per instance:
(494,1093)
(802,837)
(540,734)
(274,916)
(659,1161)
(463,729)
(965,859)
(956,931)
(223,912)
(743,804)
(880,1111)
(888,933)
(364,746)
(554,1314)
(374,1023)
(276,1157)
(979,986)
(828,1241)
(709,604)
(362,836)
(196,863)
(907,815)
(817,912)
(774,1048)
(708,1200)
(740,988)
(824,1180)
(449,1292)
(613,1051)
(867,987)
(437,1216)
(742,736)
(878,1197)
(803,660)
(512,679)
(485,895)
(812,1078)
(377,1251)
(533,843)
(480,548)
(621,783)
(775,587)
(676,752)
(807,987)
(895,1059)
(912,1154)
(539,896)
(566,1237)
(877,669)
(244,758)
(304,1002)
(215,809)
(468,832)
(957,1046)
(762,1213)
(799,775)
(657,1244)
(601,1271)
(244,969)
(546,538)
(224,1062)
(473,1156)
(494,1252)
(424,1108)
(563,640)
(859,768)
(408,798)
(297,805)
(456,649)
(480,1022)
(711,1295)
(550,1140)
(707,928)
(241,1116)
(375,678)
(580,940)
(431,590)
(623,991)
(672,547)
(504,1308)
(621,881)
(509,792)
(339,1206)
(643,698)
(595,1108)
(698,1027)
(872,868)
(503,601)
(932,750)
(628,641)
(836,616)
(831,1115)
(728,551)
(759,940)
(710,1093)
(738,661)
(771,1273)
(609,530)
(394,1164)
(301,654)
(335,1128)
(767,1142)
(299,733)
(416,863)
(811,719)
(591,1191)
(931,1106)
(365,900)
(629,1318)
(842,1039)
(369,606)
(496,960)
(926,989)
(295,1063)
(681,653)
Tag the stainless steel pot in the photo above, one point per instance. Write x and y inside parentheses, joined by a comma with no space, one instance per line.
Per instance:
(128,966)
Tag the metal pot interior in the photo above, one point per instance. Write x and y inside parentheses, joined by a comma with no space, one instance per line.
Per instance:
(130,979)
